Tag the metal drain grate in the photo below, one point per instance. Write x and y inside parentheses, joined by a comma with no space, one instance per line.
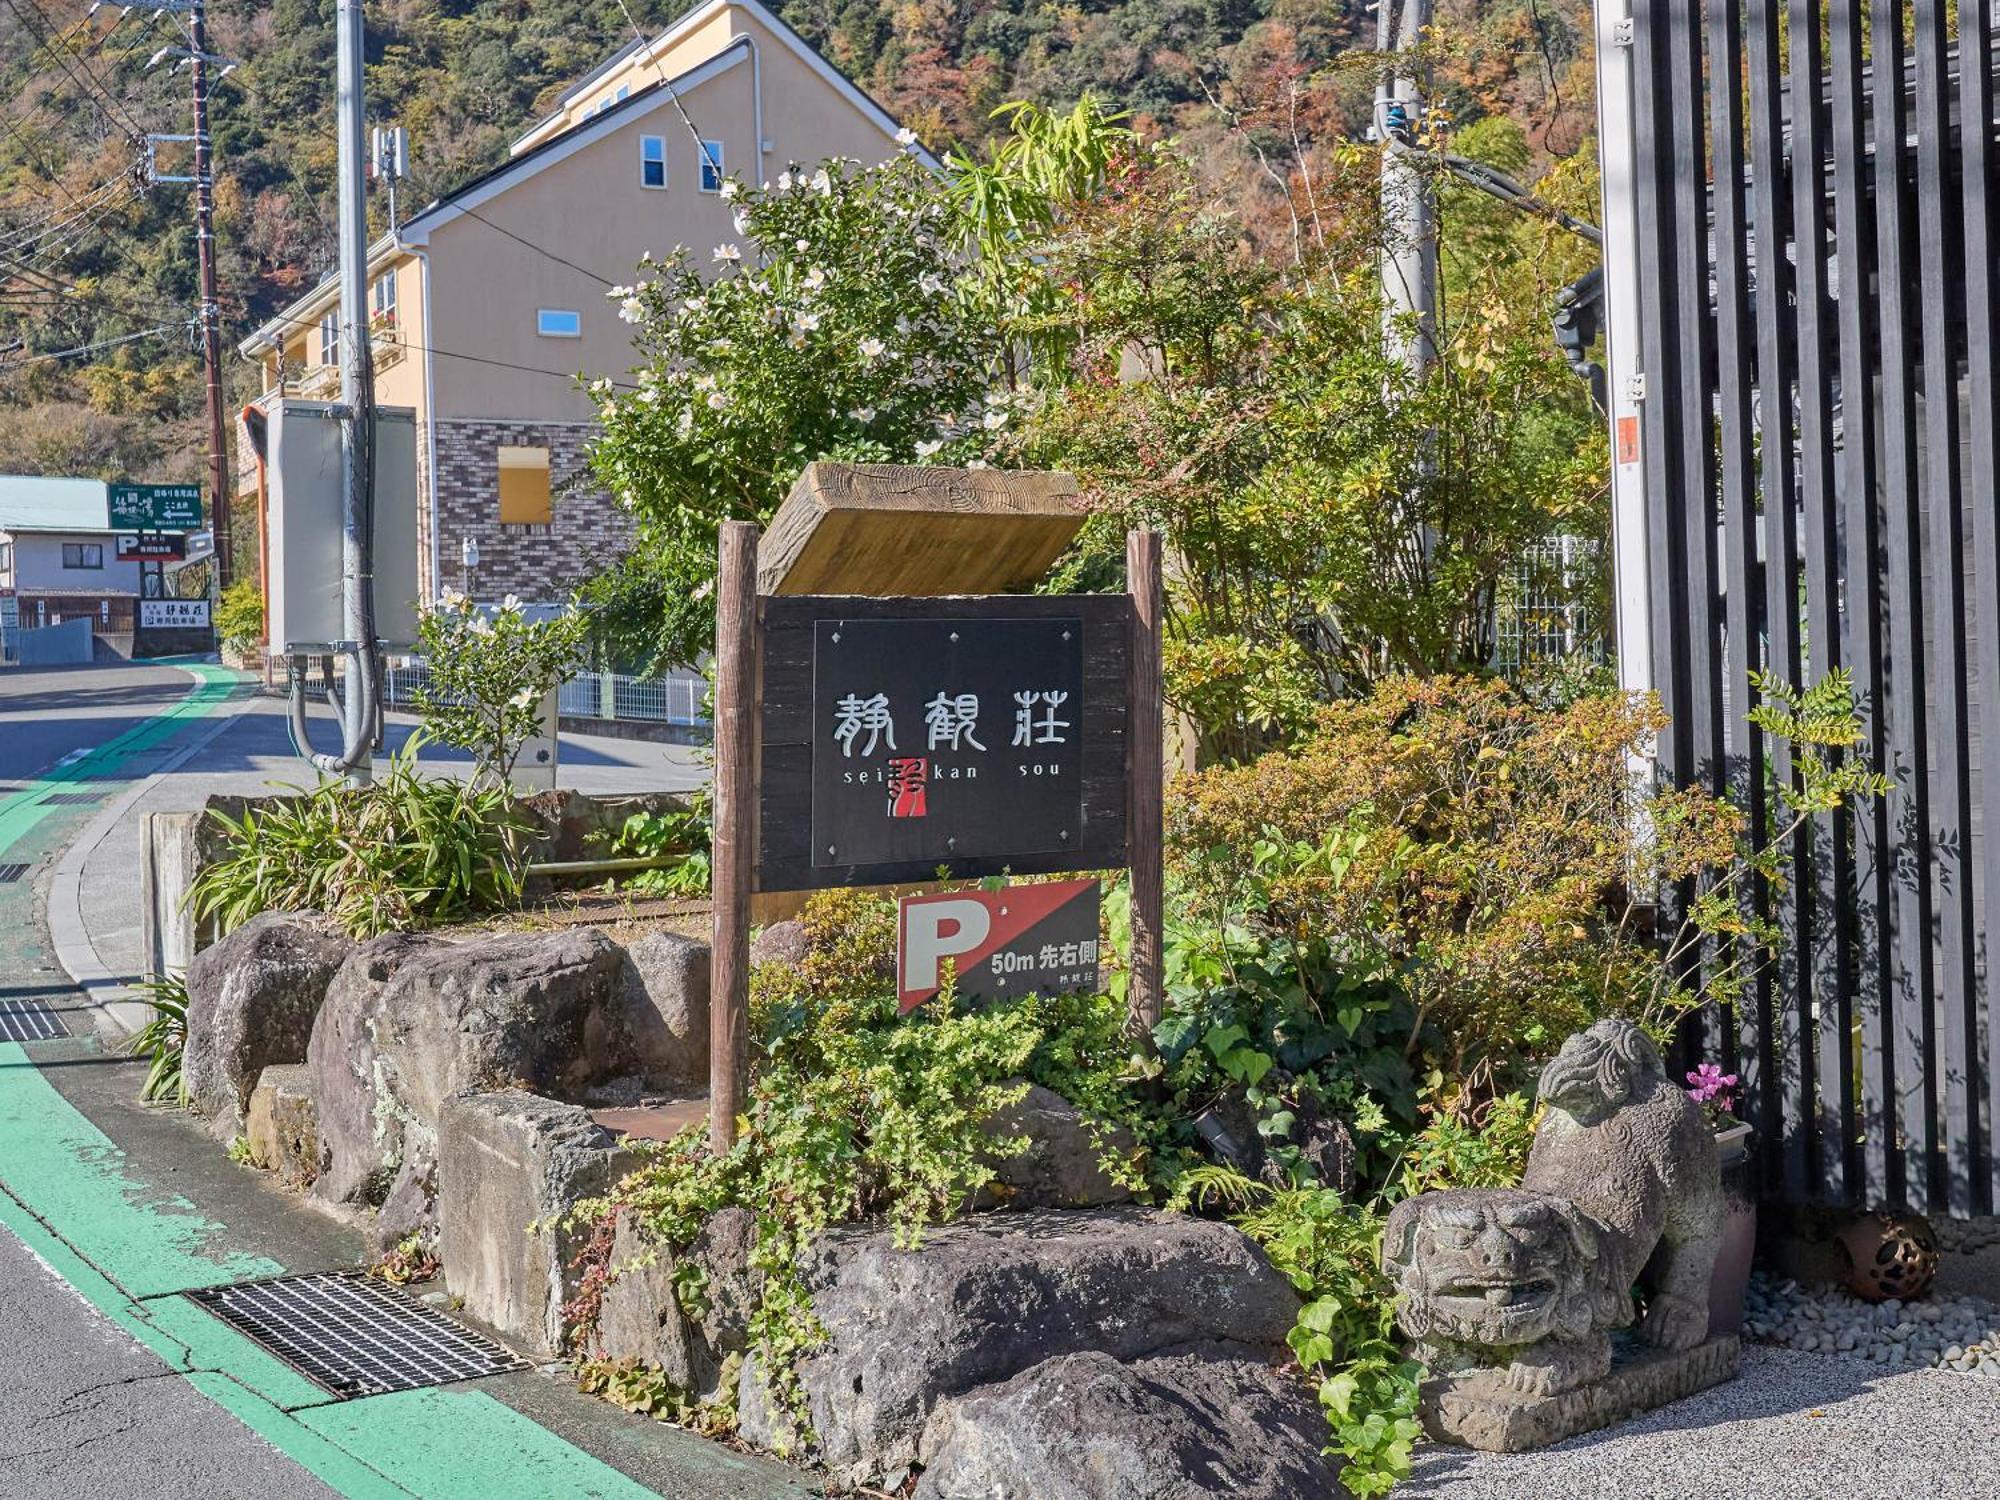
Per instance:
(72,799)
(29,1021)
(11,873)
(354,1336)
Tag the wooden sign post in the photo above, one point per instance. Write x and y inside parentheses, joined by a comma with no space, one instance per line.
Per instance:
(867,740)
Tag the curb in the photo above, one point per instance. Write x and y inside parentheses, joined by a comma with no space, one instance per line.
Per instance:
(117,1011)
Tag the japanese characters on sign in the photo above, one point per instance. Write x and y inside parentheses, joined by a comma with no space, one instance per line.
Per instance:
(937,739)
(173,614)
(975,735)
(1021,940)
(154,507)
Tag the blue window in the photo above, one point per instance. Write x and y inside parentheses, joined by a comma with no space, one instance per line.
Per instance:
(558,323)
(652,161)
(711,166)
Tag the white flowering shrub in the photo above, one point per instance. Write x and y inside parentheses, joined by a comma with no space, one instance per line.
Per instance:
(832,326)
(489,671)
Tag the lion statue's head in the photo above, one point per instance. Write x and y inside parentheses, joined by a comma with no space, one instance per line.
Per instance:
(1611,1064)
(1499,1267)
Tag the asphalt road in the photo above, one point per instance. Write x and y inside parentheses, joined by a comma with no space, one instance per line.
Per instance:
(85,1411)
(45,715)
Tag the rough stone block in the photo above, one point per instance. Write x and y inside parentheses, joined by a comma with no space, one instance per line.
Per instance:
(1180,1425)
(252,1000)
(511,1165)
(987,1298)
(666,1007)
(283,1124)
(1063,1165)
(1480,1410)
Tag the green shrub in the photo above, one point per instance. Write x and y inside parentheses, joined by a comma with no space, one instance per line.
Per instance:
(239,617)
(163,1041)
(488,673)
(857,1112)
(681,835)
(407,851)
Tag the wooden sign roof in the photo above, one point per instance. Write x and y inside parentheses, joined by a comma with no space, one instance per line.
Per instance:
(903,529)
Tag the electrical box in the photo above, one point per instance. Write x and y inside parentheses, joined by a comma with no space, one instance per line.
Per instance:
(303,477)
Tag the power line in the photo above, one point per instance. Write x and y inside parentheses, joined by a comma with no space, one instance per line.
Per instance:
(111,343)
(95,91)
(538,249)
(477,359)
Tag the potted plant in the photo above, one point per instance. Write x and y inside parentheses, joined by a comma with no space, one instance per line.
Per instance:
(1715,1091)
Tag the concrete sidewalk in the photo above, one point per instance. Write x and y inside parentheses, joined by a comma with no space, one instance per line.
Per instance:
(94,911)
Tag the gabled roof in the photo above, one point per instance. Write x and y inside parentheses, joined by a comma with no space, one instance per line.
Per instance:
(37,503)
(469,196)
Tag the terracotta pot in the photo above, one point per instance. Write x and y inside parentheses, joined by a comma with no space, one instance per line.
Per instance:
(1730,1280)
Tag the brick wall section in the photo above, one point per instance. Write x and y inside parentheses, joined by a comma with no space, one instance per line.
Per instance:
(540,563)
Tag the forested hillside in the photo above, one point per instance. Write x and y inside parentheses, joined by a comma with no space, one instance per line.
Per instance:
(90,254)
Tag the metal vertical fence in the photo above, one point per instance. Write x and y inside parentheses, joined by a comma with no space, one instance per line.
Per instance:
(1818,346)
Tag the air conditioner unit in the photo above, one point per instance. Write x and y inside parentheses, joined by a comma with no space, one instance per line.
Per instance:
(303,474)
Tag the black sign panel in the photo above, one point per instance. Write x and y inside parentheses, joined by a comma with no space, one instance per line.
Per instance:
(901,736)
(939,737)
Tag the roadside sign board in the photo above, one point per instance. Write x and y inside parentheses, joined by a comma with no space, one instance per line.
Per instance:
(157,547)
(1020,940)
(155,507)
(978,735)
(173,614)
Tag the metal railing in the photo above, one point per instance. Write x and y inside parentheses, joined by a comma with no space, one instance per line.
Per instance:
(674,700)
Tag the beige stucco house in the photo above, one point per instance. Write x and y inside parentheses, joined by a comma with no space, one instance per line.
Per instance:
(486,306)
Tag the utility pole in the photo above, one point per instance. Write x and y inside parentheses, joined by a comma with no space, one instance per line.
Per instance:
(1409,209)
(357,399)
(208,313)
(209,317)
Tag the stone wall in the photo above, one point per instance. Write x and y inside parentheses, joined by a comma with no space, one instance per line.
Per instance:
(540,563)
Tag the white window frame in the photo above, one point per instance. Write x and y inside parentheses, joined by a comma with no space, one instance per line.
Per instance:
(329,339)
(544,314)
(711,167)
(652,150)
(382,300)
(83,551)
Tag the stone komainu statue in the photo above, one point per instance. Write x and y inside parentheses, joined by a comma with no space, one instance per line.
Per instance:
(1530,1281)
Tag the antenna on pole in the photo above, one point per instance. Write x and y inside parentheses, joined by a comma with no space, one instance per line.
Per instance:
(389,162)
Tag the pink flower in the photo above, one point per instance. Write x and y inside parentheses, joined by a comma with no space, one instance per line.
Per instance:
(1708,1084)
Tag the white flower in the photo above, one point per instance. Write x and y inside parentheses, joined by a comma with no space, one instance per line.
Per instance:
(872,347)
(730,190)
(600,386)
(906,137)
(523,699)
(975,463)
(452,599)
(801,246)
(929,446)
(806,322)
(822,183)
(704,382)
(717,401)
(685,424)
(631,310)
(784,182)
(727,253)
(815,278)
(863,414)
(931,282)
(994,420)
(742,222)
(481,625)
(511,604)
(695,304)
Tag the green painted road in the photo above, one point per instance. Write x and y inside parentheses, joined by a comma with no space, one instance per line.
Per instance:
(122,1238)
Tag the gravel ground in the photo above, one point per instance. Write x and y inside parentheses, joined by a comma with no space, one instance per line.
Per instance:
(1792,1426)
